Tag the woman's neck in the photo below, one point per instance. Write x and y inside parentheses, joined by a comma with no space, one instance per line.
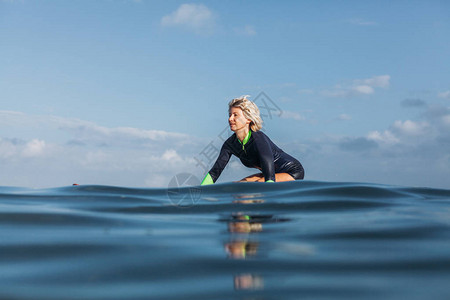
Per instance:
(242,133)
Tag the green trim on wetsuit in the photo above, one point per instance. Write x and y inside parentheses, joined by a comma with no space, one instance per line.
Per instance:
(207,180)
(270,181)
(249,134)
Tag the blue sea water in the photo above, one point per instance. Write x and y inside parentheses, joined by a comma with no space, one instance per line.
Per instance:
(292,240)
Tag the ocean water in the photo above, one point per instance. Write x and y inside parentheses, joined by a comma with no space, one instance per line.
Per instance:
(292,240)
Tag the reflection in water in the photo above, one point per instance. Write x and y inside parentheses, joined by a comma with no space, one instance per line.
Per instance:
(248,282)
(242,227)
(243,224)
(241,249)
(240,246)
(248,199)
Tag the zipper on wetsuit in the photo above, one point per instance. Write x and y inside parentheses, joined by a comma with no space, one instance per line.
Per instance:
(246,139)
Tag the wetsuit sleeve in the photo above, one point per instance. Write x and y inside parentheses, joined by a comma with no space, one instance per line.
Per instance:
(221,162)
(265,155)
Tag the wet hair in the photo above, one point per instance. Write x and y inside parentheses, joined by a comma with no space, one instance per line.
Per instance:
(250,111)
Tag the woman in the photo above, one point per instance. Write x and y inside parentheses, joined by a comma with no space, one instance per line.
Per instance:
(253,148)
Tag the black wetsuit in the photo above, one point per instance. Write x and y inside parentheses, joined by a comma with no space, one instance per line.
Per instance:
(258,152)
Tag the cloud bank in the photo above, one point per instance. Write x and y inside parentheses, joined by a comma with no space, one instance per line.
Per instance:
(409,152)
(62,151)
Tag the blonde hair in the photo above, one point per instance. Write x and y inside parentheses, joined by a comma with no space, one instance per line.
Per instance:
(250,110)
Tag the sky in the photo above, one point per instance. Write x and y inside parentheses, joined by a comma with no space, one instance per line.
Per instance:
(135,93)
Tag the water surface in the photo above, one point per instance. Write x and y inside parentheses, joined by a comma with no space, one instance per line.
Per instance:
(293,240)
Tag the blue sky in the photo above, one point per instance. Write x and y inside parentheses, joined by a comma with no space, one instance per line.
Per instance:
(131,93)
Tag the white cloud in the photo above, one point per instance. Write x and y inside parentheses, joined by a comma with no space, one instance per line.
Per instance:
(411,128)
(34,148)
(16,149)
(196,17)
(337,92)
(376,81)
(432,132)
(12,118)
(285,114)
(171,155)
(11,113)
(402,133)
(386,137)
(90,133)
(445,95)
(85,132)
(363,89)
(344,117)
(358,87)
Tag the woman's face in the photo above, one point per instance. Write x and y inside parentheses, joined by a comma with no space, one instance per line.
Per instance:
(237,119)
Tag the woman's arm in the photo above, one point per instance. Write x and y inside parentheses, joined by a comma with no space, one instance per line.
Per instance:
(219,165)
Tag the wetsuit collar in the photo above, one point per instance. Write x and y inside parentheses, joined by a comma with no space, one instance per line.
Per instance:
(249,134)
